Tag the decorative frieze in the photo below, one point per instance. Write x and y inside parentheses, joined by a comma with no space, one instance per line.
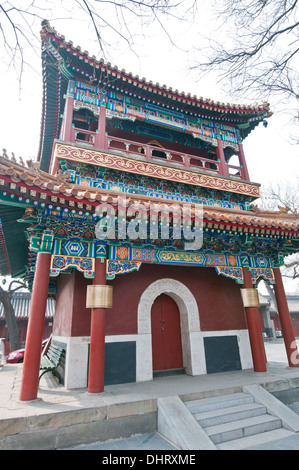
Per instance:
(135,166)
(63,263)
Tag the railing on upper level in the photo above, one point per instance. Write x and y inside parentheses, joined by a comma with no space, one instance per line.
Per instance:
(160,154)
(156,153)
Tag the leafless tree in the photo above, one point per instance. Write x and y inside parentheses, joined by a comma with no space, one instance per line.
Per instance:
(255,48)
(107,21)
(284,198)
(9,312)
(280,196)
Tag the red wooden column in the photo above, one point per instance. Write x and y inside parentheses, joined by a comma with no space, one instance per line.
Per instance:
(100,138)
(285,320)
(242,161)
(253,322)
(99,298)
(68,120)
(29,385)
(220,154)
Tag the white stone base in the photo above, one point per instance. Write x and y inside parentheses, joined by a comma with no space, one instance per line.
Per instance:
(76,361)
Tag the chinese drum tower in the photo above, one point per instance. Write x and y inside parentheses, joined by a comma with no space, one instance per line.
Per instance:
(117,153)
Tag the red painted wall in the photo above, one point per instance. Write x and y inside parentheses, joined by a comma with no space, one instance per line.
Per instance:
(219,300)
(71,317)
(64,305)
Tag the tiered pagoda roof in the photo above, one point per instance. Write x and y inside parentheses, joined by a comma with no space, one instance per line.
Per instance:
(61,61)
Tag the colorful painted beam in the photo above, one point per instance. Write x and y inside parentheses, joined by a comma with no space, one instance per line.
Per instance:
(141,167)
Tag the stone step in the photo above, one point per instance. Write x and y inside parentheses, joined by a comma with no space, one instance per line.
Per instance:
(176,423)
(218,402)
(230,414)
(235,421)
(242,428)
(257,439)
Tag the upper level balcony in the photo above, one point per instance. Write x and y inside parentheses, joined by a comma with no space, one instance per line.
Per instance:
(99,139)
(158,154)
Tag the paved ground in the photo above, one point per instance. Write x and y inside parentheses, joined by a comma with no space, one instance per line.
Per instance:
(154,441)
(58,399)
(150,441)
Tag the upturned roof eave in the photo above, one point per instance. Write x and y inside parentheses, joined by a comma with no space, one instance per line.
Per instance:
(246,117)
(156,89)
(43,183)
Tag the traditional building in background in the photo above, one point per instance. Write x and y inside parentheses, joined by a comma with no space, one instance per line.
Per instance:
(21,305)
(270,320)
(113,148)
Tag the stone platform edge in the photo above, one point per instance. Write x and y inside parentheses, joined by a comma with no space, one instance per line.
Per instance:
(64,428)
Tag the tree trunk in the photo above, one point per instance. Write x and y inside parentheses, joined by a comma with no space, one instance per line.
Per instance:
(271,294)
(11,322)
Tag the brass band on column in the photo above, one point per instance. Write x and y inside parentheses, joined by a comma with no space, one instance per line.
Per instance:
(99,296)
(250,297)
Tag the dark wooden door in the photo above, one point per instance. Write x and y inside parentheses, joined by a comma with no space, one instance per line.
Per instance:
(166,334)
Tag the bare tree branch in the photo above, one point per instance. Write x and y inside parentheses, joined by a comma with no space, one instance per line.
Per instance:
(121,20)
(284,197)
(256,51)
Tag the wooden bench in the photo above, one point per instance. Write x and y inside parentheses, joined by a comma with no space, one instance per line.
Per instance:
(51,360)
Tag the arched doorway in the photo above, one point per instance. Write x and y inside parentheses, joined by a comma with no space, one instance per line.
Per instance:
(166,335)
(191,336)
